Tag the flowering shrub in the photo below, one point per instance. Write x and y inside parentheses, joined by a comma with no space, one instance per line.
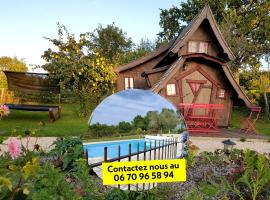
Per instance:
(32,174)
(4,111)
(14,148)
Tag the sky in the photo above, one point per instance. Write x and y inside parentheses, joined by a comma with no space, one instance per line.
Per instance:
(24,23)
(125,105)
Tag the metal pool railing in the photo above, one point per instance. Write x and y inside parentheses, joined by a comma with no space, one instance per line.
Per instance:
(159,150)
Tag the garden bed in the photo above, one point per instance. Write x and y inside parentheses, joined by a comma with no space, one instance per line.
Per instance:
(63,173)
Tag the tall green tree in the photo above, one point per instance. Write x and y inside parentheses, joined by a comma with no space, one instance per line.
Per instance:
(145,46)
(169,119)
(79,68)
(10,64)
(140,122)
(244,24)
(111,41)
(262,84)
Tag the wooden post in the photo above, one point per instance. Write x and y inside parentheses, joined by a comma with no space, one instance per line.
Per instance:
(59,99)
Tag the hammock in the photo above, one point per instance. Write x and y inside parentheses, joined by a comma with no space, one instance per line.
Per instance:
(34,83)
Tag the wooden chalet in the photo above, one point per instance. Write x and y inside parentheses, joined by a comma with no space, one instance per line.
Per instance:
(192,68)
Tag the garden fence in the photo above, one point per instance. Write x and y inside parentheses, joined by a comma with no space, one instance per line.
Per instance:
(153,150)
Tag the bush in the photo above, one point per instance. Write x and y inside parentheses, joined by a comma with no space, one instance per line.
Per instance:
(68,150)
(242,139)
(101,130)
(262,102)
(124,127)
(117,194)
(28,177)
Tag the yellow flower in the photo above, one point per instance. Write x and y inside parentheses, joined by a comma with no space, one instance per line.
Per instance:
(6,182)
(12,167)
(30,167)
(26,191)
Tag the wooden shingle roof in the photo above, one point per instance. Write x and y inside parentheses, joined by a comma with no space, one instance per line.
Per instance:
(205,13)
(175,44)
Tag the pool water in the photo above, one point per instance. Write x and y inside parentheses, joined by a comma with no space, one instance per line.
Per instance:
(97,149)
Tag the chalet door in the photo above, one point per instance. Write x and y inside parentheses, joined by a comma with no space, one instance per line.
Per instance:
(196,88)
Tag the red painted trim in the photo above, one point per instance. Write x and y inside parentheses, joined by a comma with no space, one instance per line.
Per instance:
(196,81)
(188,72)
(206,75)
(197,94)
(206,57)
(199,69)
(201,82)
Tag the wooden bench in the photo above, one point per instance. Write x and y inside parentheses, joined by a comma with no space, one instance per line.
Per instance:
(54,111)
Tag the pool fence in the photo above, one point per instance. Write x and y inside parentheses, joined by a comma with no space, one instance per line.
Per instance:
(153,150)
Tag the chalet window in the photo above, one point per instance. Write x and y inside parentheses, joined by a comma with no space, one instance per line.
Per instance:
(221,93)
(129,83)
(192,47)
(203,47)
(197,47)
(171,90)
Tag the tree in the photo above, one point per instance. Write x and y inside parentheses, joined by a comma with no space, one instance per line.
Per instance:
(79,68)
(263,86)
(153,120)
(164,121)
(10,64)
(145,46)
(139,122)
(169,119)
(111,42)
(124,127)
(244,24)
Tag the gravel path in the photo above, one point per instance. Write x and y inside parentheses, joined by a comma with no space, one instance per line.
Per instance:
(44,142)
(213,143)
(204,143)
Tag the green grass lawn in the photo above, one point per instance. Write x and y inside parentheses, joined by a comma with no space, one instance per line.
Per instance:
(68,125)
(72,125)
(262,125)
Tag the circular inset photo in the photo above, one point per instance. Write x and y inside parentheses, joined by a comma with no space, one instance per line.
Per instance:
(136,117)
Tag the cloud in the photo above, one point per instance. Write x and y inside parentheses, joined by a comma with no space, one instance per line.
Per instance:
(125,105)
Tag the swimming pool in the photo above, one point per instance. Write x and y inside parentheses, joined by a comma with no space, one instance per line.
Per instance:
(97,149)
